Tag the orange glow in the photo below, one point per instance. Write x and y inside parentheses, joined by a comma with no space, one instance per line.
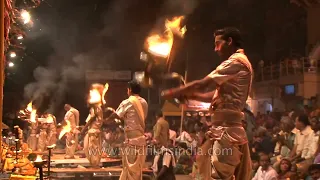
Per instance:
(29,107)
(160,45)
(33,116)
(65,129)
(39,159)
(95,96)
(105,90)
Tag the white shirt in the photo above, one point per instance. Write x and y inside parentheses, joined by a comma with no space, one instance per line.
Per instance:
(313,141)
(127,111)
(302,142)
(184,137)
(72,116)
(165,161)
(172,135)
(269,174)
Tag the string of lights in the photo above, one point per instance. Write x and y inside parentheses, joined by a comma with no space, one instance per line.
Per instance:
(17,20)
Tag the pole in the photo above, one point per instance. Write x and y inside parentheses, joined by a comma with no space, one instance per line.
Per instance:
(185,79)
(41,173)
(49,162)
(1,64)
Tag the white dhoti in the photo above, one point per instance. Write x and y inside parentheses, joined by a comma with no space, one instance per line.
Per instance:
(133,158)
(93,147)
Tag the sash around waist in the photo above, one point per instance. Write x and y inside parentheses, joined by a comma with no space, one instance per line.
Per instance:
(227,118)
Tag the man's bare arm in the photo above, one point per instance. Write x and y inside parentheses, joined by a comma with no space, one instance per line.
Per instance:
(203,97)
(188,88)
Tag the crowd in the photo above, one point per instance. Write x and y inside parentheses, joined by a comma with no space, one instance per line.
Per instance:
(284,145)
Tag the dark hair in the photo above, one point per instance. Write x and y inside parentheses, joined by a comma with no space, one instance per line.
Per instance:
(314,167)
(159,114)
(264,154)
(288,161)
(134,87)
(230,32)
(304,119)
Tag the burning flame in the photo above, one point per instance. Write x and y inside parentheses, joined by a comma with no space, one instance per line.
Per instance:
(38,159)
(29,107)
(174,26)
(65,129)
(33,116)
(160,45)
(94,96)
(25,15)
(105,90)
(22,112)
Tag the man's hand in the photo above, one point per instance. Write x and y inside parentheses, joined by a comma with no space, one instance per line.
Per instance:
(169,94)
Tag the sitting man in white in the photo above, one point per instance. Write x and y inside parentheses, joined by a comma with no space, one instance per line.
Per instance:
(265,171)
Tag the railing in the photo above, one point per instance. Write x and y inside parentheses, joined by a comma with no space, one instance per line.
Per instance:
(287,68)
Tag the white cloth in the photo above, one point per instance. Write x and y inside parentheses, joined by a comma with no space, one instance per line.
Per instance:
(184,137)
(172,135)
(167,158)
(130,115)
(313,141)
(301,141)
(269,174)
(73,117)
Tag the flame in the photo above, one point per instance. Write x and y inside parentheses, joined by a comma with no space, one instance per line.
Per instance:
(95,96)
(175,24)
(65,129)
(50,119)
(22,112)
(160,45)
(38,159)
(33,116)
(25,15)
(29,107)
(105,90)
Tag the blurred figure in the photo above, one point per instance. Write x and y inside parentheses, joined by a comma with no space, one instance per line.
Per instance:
(72,117)
(161,130)
(314,171)
(164,163)
(265,171)
(285,170)
(301,145)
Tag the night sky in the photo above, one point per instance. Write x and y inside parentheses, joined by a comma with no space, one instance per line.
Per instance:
(69,36)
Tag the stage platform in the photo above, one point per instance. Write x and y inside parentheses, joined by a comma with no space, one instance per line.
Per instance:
(92,173)
(58,161)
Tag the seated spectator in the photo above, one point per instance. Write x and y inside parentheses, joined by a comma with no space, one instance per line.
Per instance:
(314,171)
(285,141)
(285,170)
(301,147)
(265,171)
(262,142)
(255,164)
(315,125)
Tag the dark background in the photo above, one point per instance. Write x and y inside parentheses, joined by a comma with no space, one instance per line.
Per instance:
(69,36)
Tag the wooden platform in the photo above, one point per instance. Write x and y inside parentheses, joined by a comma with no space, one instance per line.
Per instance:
(92,173)
(57,160)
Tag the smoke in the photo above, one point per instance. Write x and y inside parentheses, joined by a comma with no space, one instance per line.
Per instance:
(79,45)
(53,82)
(180,7)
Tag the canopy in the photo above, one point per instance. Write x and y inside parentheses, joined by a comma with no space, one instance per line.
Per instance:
(170,109)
